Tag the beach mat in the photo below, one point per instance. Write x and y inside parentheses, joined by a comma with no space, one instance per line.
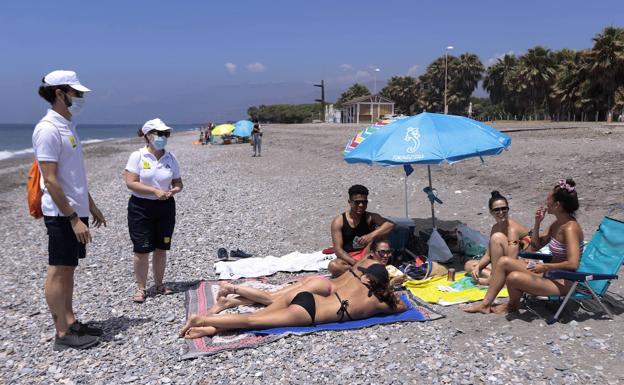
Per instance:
(199,300)
(442,292)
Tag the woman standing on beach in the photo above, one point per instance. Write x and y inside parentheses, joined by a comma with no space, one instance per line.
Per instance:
(256,139)
(153,177)
(507,237)
(565,239)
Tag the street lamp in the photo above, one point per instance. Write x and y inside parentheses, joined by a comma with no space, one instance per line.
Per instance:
(450,47)
(375,83)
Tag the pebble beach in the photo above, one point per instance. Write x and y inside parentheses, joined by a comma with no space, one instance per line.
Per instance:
(282,202)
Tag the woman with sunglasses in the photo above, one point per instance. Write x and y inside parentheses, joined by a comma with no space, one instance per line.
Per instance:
(381,251)
(507,237)
(153,177)
(565,239)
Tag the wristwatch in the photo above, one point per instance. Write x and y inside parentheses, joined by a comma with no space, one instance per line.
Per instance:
(72,216)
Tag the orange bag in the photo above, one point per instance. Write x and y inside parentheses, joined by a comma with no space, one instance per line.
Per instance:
(33,191)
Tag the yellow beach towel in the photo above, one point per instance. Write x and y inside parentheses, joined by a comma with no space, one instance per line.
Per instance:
(439,290)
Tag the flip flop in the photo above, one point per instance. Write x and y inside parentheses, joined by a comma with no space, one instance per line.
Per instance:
(163,290)
(222,254)
(239,254)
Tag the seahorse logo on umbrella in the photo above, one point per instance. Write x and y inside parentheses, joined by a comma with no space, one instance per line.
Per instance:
(412,135)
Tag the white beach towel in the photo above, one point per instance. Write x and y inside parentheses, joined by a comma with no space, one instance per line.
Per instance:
(258,267)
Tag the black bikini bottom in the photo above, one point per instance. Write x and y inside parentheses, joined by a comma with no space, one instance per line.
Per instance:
(305,299)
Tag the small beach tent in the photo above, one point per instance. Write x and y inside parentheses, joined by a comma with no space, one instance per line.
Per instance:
(222,129)
(242,128)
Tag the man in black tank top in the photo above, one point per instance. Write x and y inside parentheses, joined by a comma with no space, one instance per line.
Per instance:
(353,231)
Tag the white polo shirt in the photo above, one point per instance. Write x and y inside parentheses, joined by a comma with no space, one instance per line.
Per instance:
(55,140)
(153,172)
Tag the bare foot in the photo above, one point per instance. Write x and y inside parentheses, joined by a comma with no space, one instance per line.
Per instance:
(479,307)
(197,332)
(225,289)
(484,281)
(504,308)
(193,321)
(221,304)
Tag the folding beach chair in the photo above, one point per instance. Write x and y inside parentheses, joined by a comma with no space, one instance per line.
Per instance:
(600,263)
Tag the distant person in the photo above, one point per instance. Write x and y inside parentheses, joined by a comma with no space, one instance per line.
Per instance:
(507,237)
(256,139)
(153,177)
(353,231)
(66,204)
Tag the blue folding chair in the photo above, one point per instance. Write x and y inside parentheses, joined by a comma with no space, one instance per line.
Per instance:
(600,263)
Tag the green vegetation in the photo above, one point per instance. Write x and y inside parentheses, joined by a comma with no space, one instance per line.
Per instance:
(355,91)
(285,113)
(540,84)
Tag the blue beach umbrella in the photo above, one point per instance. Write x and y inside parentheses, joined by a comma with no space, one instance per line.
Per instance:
(242,128)
(428,138)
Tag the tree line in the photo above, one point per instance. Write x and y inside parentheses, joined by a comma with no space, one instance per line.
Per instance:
(285,113)
(540,84)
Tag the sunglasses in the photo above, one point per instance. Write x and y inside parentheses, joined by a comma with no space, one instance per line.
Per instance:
(385,253)
(360,202)
(500,210)
(161,133)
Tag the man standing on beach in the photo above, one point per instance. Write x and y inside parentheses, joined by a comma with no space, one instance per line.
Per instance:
(66,204)
(353,231)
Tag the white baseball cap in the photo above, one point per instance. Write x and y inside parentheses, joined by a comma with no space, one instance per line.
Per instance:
(155,124)
(63,77)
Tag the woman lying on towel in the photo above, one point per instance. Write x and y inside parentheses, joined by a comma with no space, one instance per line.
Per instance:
(372,295)
(565,238)
(507,237)
(320,285)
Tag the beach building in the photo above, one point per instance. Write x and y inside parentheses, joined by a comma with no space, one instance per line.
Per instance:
(366,109)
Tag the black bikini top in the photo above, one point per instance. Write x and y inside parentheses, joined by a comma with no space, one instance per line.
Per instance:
(342,311)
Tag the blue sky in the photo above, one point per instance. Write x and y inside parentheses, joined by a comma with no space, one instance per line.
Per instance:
(194,61)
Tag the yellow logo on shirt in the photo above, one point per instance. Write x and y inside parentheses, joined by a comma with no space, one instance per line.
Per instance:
(167,239)
(72,140)
(146,165)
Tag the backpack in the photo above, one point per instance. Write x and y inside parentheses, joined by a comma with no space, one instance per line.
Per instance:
(33,186)
(33,191)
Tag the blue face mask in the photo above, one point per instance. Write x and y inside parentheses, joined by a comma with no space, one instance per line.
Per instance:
(159,142)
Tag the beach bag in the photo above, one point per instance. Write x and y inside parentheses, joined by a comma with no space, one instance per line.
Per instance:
(438,249)
(471,242)
(33,191)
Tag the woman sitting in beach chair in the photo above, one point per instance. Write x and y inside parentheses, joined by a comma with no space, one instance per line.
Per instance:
(565,239)
(371,295)
(507,237)
(316,284)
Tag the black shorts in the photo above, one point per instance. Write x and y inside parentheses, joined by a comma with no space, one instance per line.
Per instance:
(63,246)
(150,223)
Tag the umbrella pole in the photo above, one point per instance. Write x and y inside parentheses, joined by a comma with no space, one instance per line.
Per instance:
(432,210)
(406,216)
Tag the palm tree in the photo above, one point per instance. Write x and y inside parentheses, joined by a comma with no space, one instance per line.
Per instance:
(606,64)
(355,91)
(569,85)
(403,91)
(494,80)
(535,75)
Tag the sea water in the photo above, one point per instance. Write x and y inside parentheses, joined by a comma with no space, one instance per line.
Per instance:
(16,139)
